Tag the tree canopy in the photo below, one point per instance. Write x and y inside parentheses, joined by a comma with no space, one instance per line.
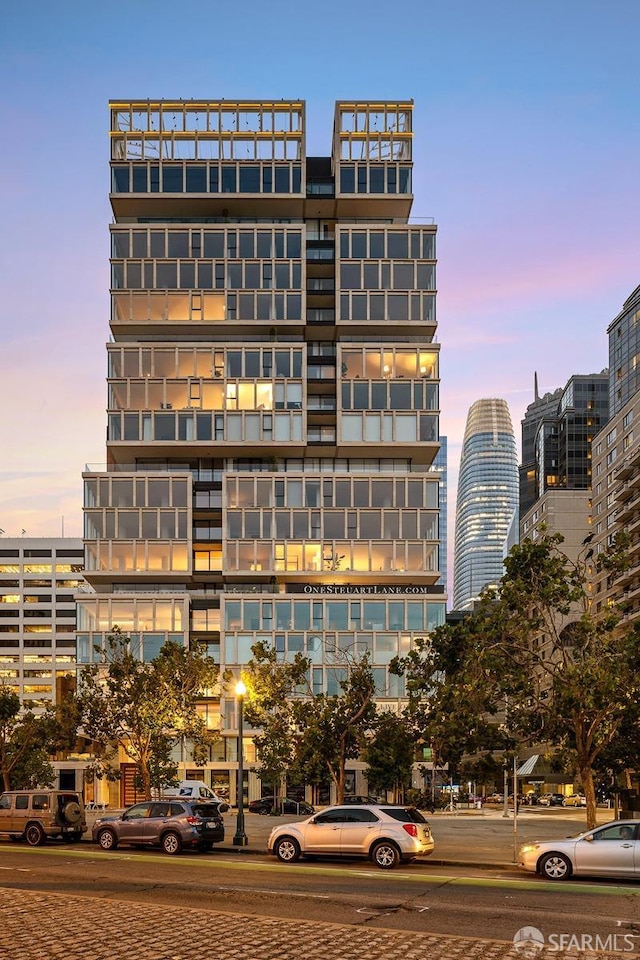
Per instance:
(145,709)
(317,733)
(28,741)
(389,754)
(534,663)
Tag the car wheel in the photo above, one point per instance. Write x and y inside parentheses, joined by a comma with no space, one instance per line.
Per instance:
(385,855)
(35,835)
(72,812)
(204,846)
(263,812)
(555,866)
(171,843)
(287,850)
(107,840)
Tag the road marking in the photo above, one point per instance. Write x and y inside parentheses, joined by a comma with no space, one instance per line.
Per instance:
(420,876)
(272,892)
(17,869)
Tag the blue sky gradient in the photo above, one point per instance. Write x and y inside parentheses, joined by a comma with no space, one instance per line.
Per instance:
(526,151)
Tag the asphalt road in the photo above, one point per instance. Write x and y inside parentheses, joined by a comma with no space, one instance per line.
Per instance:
(492,899)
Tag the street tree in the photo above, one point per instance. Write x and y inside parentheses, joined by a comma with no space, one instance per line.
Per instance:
(535,649)
(319,732)
(334,726)
(270,683)
(146,709)
(28,741)
(450,708)
(389,754)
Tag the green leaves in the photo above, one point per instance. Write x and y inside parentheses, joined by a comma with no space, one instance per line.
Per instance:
(310,736)
(27,742)
(389,754)
(531,664)
(145,709)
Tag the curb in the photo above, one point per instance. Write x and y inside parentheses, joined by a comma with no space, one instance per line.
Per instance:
(437,861)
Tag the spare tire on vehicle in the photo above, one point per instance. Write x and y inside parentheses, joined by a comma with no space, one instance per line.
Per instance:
(71,812)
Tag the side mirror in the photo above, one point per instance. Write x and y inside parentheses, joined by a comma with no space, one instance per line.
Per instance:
(223,807)
(313,820)
(588,838)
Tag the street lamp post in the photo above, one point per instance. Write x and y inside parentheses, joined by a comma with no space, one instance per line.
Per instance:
(240,839)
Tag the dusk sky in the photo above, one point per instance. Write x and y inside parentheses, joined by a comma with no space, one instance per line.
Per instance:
(526,153)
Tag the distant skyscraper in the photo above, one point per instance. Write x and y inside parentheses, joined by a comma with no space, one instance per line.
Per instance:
(540,409)
(440,464)
(487,499)
(616,465)
(557,435)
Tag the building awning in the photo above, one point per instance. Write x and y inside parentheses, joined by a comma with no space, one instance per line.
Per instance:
(527,768)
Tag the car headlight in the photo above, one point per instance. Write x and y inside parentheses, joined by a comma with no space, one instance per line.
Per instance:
(529,847)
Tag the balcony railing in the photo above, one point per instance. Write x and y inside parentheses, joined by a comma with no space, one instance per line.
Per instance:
(321,315)
(320,188)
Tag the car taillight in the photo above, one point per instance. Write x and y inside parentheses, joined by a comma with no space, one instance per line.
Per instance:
(411,829)
(193,820)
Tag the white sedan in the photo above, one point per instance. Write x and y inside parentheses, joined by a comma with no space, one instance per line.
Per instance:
(612,850)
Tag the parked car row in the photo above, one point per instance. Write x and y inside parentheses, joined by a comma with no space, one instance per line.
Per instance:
(172,824)
(387,834)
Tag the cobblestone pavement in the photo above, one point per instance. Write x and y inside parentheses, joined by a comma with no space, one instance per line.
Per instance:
(45,926)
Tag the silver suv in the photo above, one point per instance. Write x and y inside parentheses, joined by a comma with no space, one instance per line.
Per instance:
(170,824)
(35,815)
(386,833)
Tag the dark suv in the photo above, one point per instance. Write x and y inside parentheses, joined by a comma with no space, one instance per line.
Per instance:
(169,824)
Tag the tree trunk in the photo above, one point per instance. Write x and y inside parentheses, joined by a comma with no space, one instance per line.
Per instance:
(145,776)
(339,777)
(586,776)
(4,767)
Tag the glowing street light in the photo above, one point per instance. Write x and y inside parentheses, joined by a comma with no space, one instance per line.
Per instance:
(240,839)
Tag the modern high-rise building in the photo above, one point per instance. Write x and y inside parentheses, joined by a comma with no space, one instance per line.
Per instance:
(272,395)
(616,464)
(39,579)
(440,464)
(568,421)
(487,500)
(538,410)
(563,440)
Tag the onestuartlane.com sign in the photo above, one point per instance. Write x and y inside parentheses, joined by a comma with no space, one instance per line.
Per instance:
(356,589)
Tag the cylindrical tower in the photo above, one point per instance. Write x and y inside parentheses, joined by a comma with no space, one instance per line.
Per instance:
(487,499)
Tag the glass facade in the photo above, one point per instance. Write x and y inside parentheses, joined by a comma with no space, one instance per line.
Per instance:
(487,500)
(272,391)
